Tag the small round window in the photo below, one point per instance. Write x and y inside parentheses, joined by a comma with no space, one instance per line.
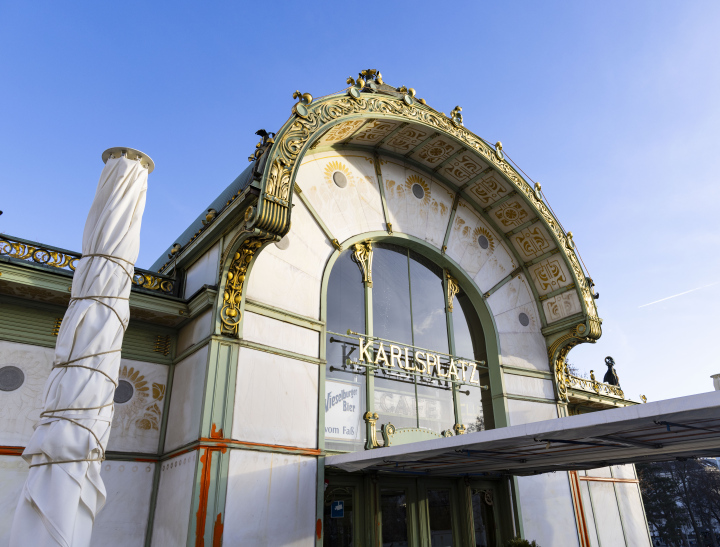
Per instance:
(483,242)
(11,378)
(124,392)
(340,179)
(524,319)
(418,191)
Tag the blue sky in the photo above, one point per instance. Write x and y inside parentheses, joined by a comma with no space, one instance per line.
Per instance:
(614,107)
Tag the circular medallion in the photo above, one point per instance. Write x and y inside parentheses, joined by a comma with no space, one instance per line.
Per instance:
(483,242)
(301,110)
(354,92)
(340,179)
(418,191)
(524,319)
(11,378)
(124,392)
(408,100)
(283,244)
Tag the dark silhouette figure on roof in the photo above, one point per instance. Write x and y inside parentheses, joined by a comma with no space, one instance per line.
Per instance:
(611,376)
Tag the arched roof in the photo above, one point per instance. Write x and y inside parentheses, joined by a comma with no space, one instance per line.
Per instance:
(375,116)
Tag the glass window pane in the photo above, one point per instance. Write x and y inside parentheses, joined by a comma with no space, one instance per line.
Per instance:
(435,405)
(428,304)
(440,518)
(391,293)
(461,329)
(483,518)
(393,507)
(345,384)
(339,530)
(471,408)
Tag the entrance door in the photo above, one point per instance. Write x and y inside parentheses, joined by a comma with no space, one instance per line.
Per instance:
(410,512)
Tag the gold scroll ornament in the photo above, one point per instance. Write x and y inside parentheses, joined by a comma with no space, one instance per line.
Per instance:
(232,298)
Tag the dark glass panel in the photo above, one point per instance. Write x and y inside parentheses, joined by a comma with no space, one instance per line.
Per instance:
(391,293)
(435,405)
(471,408)
(428,304)
(461,330)
(439,510)
(394,512)
(484,520)
(339,531)
(345,384)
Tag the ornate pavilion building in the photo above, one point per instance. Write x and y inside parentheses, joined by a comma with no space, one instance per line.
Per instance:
(379,276)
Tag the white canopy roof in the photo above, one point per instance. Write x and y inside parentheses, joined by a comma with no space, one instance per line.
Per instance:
(685,427)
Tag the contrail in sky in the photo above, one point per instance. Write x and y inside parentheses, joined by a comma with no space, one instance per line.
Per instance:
(679,294)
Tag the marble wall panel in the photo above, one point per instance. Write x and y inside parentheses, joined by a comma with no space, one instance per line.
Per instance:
(203,272)
(511,295)
(626,471)
(276,400)
(550,274)
(436,151)
(278,334)
(20,408)
(528,386)
(373,132)
(633,516)
(199,328)
(526,350)
(525,412)
(532,242)
(604,472)
(561,306)
(124,519)
(137,421)
(607,515)
(13,472)
(547,509)
(424,215)
(407,138)
(183,424)
(488,190)
(349,210)
(296,269)
(512,213)
(523,319)
(463,168)
(174,498)
(589,515)
(270,500)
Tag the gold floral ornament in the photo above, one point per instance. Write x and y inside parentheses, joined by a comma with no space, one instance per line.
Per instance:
(337,166)
(422,193)
(452,289)
(26,251)
(153,413)
(362,256)
(232,297)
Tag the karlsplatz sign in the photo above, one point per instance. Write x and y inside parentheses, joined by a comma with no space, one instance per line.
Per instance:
(425,363)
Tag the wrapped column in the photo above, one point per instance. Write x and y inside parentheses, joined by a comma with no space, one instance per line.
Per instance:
(64,491)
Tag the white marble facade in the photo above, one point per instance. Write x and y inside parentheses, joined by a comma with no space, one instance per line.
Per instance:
(174,499)
(271,499)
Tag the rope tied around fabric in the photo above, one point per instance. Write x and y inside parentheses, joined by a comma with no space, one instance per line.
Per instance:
(49,416)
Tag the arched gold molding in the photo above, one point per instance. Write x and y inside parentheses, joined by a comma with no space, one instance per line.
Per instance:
(299,133)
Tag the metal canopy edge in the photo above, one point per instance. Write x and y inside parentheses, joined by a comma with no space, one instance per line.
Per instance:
(684,427)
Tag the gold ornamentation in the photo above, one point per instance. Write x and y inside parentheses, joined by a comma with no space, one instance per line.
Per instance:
(373,132)
(66,260)
(175,250)
(532,242)
(337,245)
(211,214)
(446,433)
(436,151)
(593,386)
(550,275)
(371,419)
(452,289)
(333,166)
(48,257)
(538,191)
(362,256)
(511,214)
(643,398)
(56,326)
(232,298)
(488,190)
(300,108)
(560,348)
(162,344)
(562,305)
(463,168)
(459,429)
(480,231)
(299,132)
(455,116)
(417,179)
(389,228)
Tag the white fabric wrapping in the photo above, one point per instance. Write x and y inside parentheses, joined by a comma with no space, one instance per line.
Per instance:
(59,501)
